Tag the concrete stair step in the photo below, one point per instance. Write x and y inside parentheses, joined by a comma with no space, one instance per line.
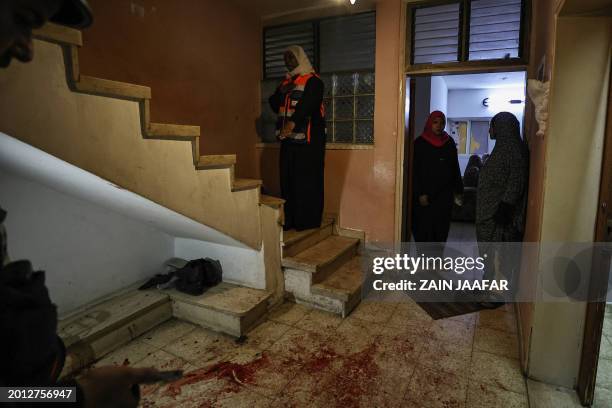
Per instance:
(271,201)
(225,308)
(294,242)
(241,184)
(339,293)
(344,284)
(321,259)
(107,325)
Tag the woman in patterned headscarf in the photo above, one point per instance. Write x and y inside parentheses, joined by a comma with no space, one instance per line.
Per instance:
(501,196)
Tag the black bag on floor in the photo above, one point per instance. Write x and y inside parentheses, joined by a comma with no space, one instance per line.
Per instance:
(198,275)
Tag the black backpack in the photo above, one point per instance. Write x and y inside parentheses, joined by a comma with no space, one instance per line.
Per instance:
(193,278)
(198,275)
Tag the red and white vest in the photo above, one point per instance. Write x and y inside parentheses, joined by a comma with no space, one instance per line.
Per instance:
(300,134)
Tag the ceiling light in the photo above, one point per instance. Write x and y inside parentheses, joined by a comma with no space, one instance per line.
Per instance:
(353,1)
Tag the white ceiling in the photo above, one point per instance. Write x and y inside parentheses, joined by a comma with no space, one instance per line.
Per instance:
(485,81)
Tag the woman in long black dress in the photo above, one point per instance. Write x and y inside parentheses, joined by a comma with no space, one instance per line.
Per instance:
(436,181)
(298,102)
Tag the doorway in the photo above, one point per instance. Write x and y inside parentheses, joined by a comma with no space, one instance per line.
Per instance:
(469,101)
(595,377)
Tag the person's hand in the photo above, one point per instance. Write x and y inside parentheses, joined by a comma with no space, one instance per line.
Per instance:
(504,213)
(287,130)
(459,199)
(286,87)
(424,200)
(115,386)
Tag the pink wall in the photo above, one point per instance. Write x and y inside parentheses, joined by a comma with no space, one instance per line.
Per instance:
(360,184)
(202,59)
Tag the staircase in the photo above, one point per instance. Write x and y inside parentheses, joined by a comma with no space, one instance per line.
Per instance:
(322,268)
(105,127)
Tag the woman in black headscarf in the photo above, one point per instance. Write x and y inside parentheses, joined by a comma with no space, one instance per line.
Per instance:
(501,197)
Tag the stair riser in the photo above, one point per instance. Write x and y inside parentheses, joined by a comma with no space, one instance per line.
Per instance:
(328,269)
(86,352)
(308,241)
(299,288)
(343,297)
(322,303)
(232,325)
(298,282)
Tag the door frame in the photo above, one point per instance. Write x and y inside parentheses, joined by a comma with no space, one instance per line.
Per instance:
(407,131)
(403,150)
(595,313)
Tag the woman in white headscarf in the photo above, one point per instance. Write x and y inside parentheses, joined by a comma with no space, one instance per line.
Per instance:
(300,127)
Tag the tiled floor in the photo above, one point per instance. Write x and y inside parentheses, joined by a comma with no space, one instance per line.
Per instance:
(603,386)
(383,355)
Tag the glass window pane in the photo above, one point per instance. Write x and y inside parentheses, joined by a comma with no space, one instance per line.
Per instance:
(479,139)
(343,132)
(365,107)
(436,34)
(365,83)
(459,134)
(345,84)
(364,131)
(328,85)
(329,130)
(343,108)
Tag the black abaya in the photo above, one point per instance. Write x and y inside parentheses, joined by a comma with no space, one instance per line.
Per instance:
(436,174)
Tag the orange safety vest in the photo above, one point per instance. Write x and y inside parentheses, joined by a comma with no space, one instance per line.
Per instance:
(286,111)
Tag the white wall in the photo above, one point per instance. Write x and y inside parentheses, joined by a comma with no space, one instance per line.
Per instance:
(240,265)
(439,95)
(467,104)
(573,168)
(87,251)
(94,238)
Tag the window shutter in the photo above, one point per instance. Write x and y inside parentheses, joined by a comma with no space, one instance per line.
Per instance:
(276,41)
(495,29)
(347,43)
(436,34)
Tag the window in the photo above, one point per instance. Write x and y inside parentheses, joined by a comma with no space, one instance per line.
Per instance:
(436,34)
(276,41)
(471,136)
(343,52)
(467,30)
(349,106)
(495,29)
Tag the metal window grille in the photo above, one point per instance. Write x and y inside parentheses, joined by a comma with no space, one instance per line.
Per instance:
(436,34)
(495,29)
(347,43)
(277,39)
(467,30)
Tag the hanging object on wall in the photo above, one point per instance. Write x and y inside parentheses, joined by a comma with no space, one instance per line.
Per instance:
(538,93)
